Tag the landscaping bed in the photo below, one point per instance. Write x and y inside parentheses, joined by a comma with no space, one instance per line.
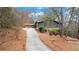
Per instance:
(12,40)
(58,43)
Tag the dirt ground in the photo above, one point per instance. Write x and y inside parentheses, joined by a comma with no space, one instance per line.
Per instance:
(58,43)
(11,41)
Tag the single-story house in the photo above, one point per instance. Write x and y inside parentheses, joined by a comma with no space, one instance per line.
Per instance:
(47,24)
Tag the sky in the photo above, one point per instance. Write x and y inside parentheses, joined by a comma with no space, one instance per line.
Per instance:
(36,10)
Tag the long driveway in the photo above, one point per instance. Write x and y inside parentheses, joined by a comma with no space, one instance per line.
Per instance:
(33,41)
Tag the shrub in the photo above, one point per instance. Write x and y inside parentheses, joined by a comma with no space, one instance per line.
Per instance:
(42,29)
(54,31)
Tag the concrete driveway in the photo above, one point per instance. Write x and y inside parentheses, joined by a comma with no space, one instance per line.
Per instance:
(33,41)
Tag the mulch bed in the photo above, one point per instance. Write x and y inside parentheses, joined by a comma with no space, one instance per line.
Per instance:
(58,43)
(13,40)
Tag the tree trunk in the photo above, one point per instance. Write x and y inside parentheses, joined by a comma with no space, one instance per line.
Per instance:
(61,23)
(78,29)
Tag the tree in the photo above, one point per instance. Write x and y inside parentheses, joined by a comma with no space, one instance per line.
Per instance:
(76,13)
(12,18)
(61,25)
(5,17)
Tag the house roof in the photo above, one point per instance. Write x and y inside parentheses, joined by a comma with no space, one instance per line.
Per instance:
(57,22)
(48,20)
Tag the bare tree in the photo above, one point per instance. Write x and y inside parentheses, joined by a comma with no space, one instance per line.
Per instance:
(61,21)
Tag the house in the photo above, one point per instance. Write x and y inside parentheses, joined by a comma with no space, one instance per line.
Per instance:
(39,24)
(52,24)
(28,25)
(47,24)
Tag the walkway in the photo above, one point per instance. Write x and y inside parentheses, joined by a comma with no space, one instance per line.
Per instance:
(33,41)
